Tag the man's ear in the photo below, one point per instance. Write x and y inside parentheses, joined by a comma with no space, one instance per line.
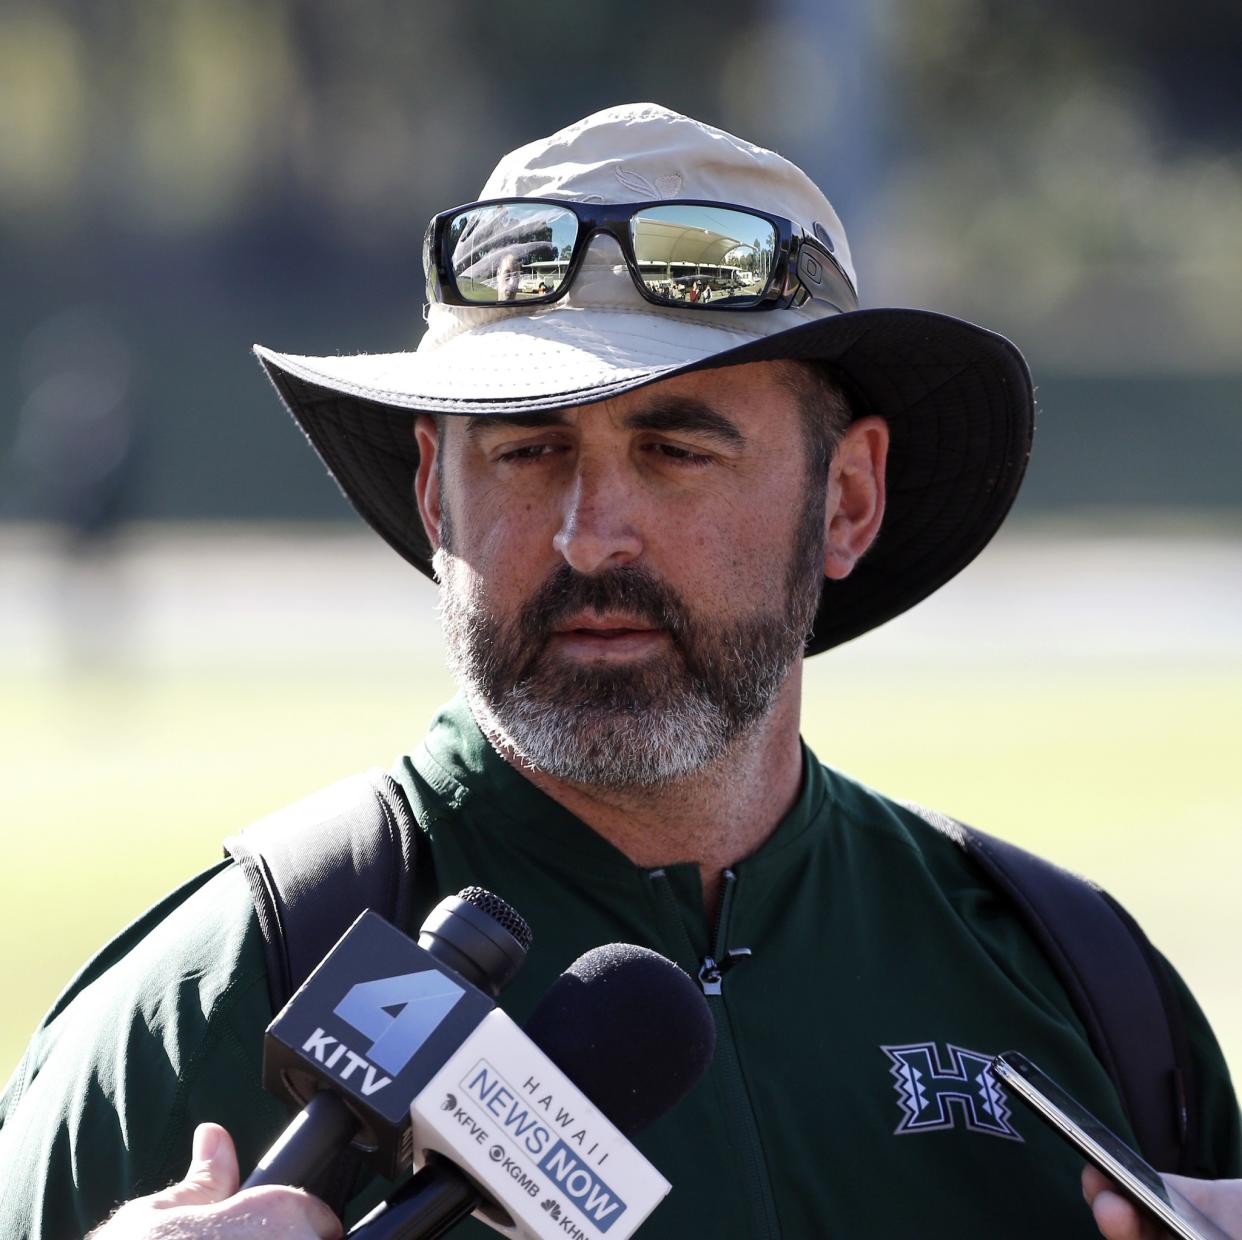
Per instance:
(427,478)
(855,505)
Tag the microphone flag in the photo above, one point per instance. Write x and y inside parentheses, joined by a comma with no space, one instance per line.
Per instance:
(505,1114)
(377,1018)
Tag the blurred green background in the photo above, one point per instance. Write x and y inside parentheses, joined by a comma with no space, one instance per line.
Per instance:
(195,631)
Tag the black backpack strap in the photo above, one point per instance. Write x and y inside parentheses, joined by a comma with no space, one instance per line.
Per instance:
(312,868)
(1116,981)
(315,865)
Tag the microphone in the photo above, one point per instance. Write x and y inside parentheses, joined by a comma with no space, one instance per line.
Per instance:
(630,1029)
(371,1025)
(623,1025)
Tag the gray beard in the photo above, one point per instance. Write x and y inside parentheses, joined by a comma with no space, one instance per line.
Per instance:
(637,725)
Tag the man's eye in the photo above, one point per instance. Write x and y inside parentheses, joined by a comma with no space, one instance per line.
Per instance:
(683,456)
(528,452)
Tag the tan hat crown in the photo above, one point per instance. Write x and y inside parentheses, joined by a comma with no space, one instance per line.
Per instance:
(640,151)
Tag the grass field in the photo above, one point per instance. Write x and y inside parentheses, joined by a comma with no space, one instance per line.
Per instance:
(117,784)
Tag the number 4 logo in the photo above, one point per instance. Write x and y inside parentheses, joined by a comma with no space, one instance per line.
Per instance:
(399,1014)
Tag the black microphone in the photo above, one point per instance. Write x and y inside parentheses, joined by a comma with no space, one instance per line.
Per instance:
(372,1024)
(630,1030)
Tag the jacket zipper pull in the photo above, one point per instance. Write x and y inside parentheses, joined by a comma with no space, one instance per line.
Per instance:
(712,971)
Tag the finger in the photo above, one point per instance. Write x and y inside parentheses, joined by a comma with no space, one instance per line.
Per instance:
(1117,1219)
(213,1172)
(214,1162)
(1094,1182)
(1209,1196)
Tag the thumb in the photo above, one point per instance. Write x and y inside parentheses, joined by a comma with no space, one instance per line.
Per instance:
(212,1175)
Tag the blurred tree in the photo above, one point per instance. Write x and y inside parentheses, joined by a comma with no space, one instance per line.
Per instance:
(1042,173)
(213,174)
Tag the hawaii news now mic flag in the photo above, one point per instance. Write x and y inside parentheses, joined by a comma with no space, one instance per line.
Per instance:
(503,1112)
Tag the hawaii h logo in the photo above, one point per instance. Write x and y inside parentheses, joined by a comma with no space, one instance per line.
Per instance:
(933,1092)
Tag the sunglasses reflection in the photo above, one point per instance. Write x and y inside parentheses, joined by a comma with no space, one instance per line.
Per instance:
(512,252)
(696,255)
(682,254)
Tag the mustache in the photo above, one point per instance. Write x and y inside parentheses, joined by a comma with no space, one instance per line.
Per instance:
(632,590)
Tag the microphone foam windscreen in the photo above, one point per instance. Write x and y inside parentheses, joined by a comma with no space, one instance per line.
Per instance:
(629,1028)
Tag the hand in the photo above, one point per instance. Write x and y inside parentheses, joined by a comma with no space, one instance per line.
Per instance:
(1117,1219)
(206,1203)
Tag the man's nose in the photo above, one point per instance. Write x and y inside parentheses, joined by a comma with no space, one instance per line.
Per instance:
(598,529)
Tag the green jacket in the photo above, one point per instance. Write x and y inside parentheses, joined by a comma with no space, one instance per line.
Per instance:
(877,952)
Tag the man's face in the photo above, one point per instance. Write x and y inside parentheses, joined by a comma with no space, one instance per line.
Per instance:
(508,279)
(626,585)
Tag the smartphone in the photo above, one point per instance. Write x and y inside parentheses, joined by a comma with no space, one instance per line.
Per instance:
(1133,1177)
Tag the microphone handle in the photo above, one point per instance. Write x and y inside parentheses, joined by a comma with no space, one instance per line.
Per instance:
(319,1132)
(425,1207)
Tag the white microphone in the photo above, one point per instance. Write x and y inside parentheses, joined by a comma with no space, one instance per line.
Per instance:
(529,1130)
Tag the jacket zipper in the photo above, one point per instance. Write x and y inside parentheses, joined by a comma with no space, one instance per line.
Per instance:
(711,973)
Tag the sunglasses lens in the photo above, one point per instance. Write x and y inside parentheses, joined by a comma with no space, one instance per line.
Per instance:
(694,255)
(511,251)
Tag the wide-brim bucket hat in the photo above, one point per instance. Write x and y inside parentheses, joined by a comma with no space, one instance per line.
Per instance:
(957,398)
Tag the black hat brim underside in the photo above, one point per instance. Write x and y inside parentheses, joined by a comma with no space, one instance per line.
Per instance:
(957,398)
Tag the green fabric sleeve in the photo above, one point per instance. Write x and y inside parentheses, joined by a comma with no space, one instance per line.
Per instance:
(164,1029)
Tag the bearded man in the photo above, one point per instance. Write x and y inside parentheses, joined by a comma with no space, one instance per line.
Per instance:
(643,515)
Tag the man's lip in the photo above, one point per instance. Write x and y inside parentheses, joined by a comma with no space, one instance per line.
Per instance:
(607,640)
(603,625)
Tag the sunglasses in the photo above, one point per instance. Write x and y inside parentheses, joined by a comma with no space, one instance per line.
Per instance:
(691,255)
